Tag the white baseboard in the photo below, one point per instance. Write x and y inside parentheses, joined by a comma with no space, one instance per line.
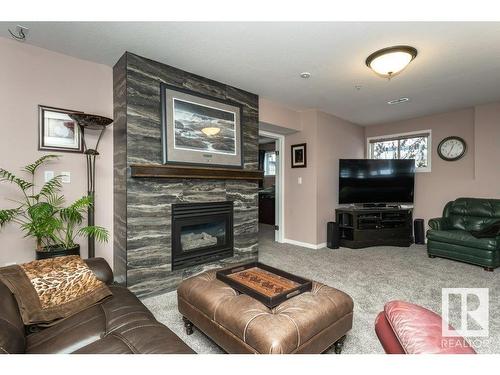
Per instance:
(305,244)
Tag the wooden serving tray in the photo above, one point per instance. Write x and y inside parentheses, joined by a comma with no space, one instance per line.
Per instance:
(266,284)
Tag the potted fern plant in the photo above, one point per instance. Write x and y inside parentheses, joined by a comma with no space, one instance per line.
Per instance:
(42,214)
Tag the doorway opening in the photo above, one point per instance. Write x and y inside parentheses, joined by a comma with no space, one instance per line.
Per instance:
(271,223)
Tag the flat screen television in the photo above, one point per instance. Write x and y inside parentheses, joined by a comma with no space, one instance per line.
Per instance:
(364,181)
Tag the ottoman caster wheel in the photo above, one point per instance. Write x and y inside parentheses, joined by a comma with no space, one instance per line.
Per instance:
(489,269)
(188,326)
(339,344)
(431,256)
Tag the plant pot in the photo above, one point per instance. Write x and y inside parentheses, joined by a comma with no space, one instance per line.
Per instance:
(57,251)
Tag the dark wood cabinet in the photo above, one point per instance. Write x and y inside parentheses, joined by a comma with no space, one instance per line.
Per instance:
(374,227)
(266,209)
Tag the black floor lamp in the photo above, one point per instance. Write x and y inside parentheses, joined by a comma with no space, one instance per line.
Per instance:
(93,123)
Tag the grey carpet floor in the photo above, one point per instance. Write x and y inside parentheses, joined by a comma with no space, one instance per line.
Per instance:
(371,276)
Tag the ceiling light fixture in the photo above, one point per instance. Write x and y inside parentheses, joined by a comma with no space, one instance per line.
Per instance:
(211,130)
(305,75)
(398,101)
(390,61)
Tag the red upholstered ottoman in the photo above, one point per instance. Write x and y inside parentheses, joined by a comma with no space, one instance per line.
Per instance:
(405,328)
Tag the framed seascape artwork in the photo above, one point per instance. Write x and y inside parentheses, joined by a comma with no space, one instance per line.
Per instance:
(299,156)
(199,129)
(57,131)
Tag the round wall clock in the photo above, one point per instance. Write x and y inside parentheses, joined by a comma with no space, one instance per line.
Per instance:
(451,148)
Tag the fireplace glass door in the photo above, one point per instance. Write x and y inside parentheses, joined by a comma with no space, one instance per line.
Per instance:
(198,236)
(201,233)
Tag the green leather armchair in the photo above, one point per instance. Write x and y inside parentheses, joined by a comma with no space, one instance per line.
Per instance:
(449,236)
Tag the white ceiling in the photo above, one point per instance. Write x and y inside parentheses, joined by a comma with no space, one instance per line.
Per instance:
(458,64)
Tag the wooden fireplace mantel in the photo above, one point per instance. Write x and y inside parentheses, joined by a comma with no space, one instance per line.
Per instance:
(181,171)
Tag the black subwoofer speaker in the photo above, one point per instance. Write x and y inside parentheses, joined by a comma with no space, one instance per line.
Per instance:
(418,231)
(332,235)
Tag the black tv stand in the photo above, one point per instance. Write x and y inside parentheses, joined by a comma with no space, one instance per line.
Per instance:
(377,226)
(374,205)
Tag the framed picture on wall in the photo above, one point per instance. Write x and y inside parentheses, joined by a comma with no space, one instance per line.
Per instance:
(199,129)
(57,131)
(299,155)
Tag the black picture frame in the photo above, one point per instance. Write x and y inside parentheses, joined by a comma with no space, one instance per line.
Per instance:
(43,140)
(166,149)
(299,155)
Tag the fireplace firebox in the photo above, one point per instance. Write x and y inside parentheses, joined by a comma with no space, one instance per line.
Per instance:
(201,233)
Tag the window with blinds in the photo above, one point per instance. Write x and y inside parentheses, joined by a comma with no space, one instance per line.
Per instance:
(416,145)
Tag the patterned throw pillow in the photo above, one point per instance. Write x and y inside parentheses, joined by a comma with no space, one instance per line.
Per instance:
(51,289)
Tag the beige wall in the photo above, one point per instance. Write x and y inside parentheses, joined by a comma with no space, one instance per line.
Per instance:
(310,205)
(300,199)
(487,152)
(337,139)
(477,174)
(30,76)
(276,114)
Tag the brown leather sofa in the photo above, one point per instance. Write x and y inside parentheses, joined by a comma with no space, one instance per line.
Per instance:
(120,324)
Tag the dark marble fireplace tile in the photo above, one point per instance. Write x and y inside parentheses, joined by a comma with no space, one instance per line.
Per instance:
(243,193)
(152,192)
(197,191)
(205,86)
(142,130)
(143,210)
(143,258)
(246,224)
(120,171)
(152,280)
(151,68)
(149,256)
(245,242)
(158,72)
(245,98)
(155,217)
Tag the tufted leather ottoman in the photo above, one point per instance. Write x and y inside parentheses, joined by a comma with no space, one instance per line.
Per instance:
(309,323)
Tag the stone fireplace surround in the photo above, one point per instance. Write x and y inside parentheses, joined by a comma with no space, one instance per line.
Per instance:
(142,206)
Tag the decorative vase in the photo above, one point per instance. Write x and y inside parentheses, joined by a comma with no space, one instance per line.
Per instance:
(57,251)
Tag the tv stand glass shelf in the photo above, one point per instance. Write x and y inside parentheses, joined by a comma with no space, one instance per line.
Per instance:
(377,226)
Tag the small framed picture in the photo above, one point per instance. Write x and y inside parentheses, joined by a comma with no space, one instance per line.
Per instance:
(299,156)
(57,131)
